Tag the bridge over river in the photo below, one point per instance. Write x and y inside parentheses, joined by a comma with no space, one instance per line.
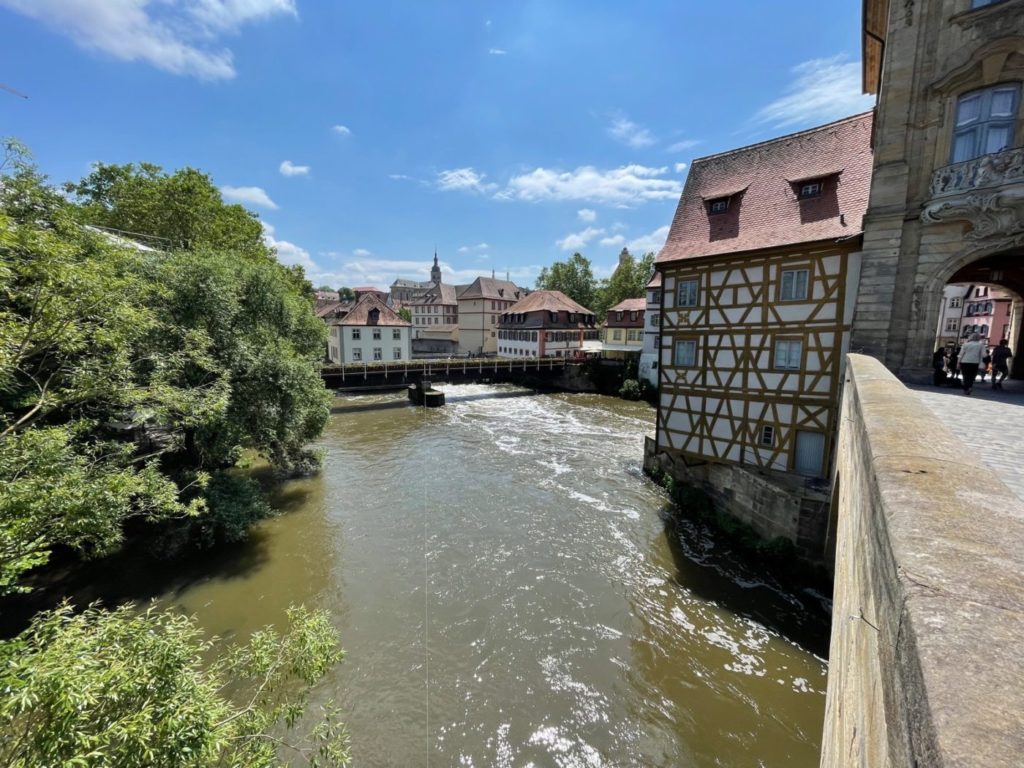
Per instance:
(554,372)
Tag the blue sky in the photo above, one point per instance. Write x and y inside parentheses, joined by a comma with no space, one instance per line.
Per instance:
(506,134)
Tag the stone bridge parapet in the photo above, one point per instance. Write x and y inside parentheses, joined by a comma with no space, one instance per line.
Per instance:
(927,651)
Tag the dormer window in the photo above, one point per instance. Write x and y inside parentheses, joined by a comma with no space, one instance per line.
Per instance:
(810,189)
(718,206)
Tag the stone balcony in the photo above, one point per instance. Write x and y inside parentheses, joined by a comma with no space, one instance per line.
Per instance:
(986,192)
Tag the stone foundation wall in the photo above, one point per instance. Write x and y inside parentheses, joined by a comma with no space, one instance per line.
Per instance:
(927,650)
(773,507)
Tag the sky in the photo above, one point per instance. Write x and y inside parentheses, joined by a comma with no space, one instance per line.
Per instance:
(507,135)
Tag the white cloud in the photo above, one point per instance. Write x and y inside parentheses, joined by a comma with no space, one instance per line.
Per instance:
(623,186)
(289,253)
(629,133)
(251,195)
(399,176)
(586,214)
(342,130)
(180,38)
(577,240)
(497,51)
(682,146)
(650,242)
(361,253)
(477,247)
(821,90)
(613,240)
(288,168)
(680,167)
(382,272)
(463,179)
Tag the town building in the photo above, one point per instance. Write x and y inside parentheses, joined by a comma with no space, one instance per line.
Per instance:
(370,332)
(652,332)
(987,311)
(947,195)
(545,324)
(623,329)
(411,291)
(479,305)
(759,278)
(322,298)
(435,322)
(947,333)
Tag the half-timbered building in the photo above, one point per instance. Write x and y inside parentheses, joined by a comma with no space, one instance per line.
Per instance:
(759,278)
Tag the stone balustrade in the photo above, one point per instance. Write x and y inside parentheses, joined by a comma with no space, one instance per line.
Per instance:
(997,169)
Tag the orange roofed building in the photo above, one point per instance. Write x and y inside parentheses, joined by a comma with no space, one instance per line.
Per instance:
(758,283)
(545,324)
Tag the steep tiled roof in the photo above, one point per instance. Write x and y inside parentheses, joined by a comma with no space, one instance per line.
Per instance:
(492,288)
(655,282)
(547,301)
(360,314)
(761,180)
(630,305)
(333,309)
(442,293)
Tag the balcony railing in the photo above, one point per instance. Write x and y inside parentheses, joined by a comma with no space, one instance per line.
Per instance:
(994,170)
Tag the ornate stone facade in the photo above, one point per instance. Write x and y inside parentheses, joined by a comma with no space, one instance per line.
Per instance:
(932,221)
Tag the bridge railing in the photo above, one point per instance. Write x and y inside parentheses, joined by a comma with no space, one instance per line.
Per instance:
(444,365)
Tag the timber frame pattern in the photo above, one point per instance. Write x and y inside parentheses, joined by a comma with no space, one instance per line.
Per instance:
(716,411)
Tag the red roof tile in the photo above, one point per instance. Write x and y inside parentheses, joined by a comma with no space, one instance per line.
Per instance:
(368,302)
(547,301)
(655,281)
(630,305)
(760,180)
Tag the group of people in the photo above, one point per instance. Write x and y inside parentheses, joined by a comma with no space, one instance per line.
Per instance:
(969,360)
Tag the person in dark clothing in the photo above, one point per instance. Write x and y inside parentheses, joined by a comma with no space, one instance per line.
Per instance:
(1000,364)
(952,366)
(939,367)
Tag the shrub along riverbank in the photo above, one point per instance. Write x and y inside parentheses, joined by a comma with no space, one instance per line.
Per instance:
(134,371)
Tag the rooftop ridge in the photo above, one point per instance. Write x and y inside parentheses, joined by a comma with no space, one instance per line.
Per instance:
(794,134)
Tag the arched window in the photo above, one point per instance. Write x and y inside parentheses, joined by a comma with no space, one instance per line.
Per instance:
(984,121)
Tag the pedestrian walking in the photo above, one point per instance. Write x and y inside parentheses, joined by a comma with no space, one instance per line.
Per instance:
(953,366)
(970,360)
(939,367)
(986,361)
(1000,364)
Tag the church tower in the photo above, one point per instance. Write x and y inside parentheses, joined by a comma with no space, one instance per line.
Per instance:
(435,271)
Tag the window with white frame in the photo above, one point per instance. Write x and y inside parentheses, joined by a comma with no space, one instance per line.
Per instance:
(955,302)
(984,121)
(396,333)
(767,438)
(788,354)
(952,324)
(357,354)
(356,333)
(376,334)
(686,353)
(655,320)
(794,284)
(719,206)
(688,293)
(654,296)
(396,353)
(378,353)
(810,189)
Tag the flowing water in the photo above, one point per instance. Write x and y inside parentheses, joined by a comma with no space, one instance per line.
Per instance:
(507,593)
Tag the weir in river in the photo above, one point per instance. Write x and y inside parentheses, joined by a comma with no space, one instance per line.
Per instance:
(508,594)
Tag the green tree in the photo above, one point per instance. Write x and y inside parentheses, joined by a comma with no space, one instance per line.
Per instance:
(346,294)
(574,278)
(170,211)
(120,688)
(406,314)
(628,281)
(129,376)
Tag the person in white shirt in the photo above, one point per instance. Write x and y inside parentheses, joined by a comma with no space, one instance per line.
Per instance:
(970,361)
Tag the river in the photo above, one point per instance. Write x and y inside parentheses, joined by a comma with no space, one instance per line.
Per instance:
(507,593)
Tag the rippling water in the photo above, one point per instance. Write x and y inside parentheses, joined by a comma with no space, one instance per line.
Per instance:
(504,586)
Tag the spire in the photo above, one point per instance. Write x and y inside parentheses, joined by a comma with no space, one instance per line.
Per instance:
(435,271)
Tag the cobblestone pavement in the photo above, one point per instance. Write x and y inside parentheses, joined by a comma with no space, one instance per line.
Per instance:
(997,420)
